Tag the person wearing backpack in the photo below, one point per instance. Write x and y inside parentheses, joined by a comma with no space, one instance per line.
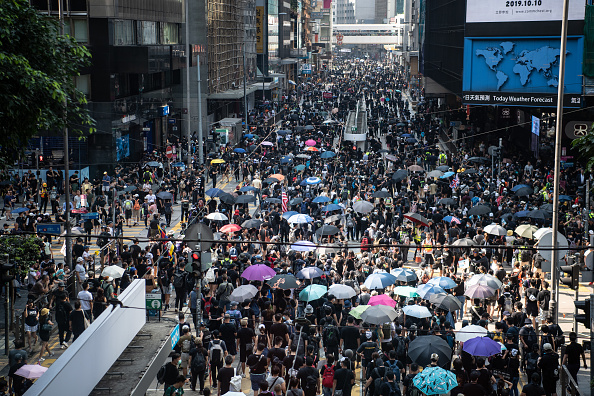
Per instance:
(217,350)
(528,338)
(185,344)
(128,206)
(327,373)
(331,340)
(532,361)
(531,301)
(396,366)
(309,377)
(179,283)
(223,293)
(399,345)
(258,365)
(168,373)
(390,387)
(374,382)
(408,389)
(198,363)
(344,378)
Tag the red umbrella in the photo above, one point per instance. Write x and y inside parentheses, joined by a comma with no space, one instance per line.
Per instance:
(230,228)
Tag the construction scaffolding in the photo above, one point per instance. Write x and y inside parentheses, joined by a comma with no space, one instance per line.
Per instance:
(225,41)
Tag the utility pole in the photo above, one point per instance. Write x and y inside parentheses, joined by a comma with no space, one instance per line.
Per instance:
(188,113)
(245,106)
(66,164)
(200,142)
(557,177)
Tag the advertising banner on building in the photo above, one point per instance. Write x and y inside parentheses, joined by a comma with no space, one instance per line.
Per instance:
(260,20)
(478,11)
(521,71)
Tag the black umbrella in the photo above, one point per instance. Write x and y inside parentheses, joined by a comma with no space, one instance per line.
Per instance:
(283,281)
(478,159)
(242,199)
(270,180)
(447,201)
(479,210)
(524,191)
(381,194)
(547,207)
(327,229)
(538,214)
(469,171)
(296,201)
(400,175)
(422,347)
(252,223)
(165,195)
(443,168)
(227,198)
(445,301)
(273,200)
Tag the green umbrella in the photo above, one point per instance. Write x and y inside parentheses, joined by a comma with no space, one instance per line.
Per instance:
(358,310)
(406,291)
(299,168)
(312,292)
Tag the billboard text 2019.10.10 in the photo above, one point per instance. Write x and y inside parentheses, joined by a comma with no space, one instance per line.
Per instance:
(478,11)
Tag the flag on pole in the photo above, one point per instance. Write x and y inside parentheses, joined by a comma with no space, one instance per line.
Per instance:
(285,200)
(162,233)
(455,182)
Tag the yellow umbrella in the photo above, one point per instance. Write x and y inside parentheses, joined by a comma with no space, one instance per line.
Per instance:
(278,176)
(217,161)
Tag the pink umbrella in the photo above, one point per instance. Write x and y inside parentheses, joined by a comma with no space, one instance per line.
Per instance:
(31,371)
(382,299)
(267,144)
(258,272)
(310,142)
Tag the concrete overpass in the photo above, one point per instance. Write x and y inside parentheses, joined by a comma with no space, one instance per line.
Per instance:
(364,34)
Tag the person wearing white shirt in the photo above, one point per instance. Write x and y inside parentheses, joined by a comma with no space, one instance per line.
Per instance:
(150,197)
(81,272)
(86,300)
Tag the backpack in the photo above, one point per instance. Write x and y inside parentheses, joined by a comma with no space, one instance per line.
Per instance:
(210,275)
(377,383)
(328,377)
(224,294)
(531,337)
(508,303)
(395,369)
(394,390)
(207,304)
(401,347)
(387,330)
(531,361)
(128,205)
(311,383)
(216,352)
(161,374)
(199,363)
(331,335)
(137,205)
(179,280)
(364,244)
(187,345)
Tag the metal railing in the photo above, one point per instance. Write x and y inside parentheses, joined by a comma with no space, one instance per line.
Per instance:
(566,385)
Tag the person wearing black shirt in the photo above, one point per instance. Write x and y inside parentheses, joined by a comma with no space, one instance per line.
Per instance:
(258,364)
(171,370)
(309,371)
(389,387)
(407,382)
(473,387)
(17,380)
(549,364)
(247,338)
(344,378)
(225,375)
(279,329)
(533,388)
(571,358)
(349,336)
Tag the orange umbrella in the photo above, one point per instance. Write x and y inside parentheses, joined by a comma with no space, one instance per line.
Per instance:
(278,176)
(311,149)
(230,228)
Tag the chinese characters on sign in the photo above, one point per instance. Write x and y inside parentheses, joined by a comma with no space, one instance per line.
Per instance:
(259,30)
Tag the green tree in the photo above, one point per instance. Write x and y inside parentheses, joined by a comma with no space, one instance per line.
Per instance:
(23,250)
(585,148)
(37,70)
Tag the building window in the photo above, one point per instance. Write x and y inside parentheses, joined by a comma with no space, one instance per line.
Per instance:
(83,83)
(81,33)
(123,32)
(170,33)
(147,32)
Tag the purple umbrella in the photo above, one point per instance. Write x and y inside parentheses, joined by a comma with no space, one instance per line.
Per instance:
(482,346)
(479,291)
(258,272)
(310,273)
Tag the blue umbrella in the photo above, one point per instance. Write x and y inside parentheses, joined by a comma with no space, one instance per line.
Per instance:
(417,311)
(300,219)
(379,280)
(299,168)
(312,292)
(411,140)
(516,188)
(248,136)
(321,199)
(290,213)
(214,192)
(331,207)
(286,160)
(406,135)
(446,175)
(435,381)
(239,150)
(522,213)
(313,180)
(451,219)
(443,281)
(482,346)
(426,290)
(282,132)
(328,154)
(564,198)
(20,210)
(248,189)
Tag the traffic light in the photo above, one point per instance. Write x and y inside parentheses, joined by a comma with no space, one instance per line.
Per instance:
(581,191)
(40,159)
(7,273)
(193,262)
(574,280)
(583,318)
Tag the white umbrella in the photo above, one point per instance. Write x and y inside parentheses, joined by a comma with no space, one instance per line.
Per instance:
(217,216)
(244,293)
(300,219)
(470,332)
(113,271)
(362,207)
(540,232)
(303,246)
(342,291)
(495,229)
(484,279)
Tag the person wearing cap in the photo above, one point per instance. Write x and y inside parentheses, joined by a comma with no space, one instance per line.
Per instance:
(45,328)
(548,363)
(184,345)
(17,381)
(228,332)
(105,183)
(527,338)
(366,350)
